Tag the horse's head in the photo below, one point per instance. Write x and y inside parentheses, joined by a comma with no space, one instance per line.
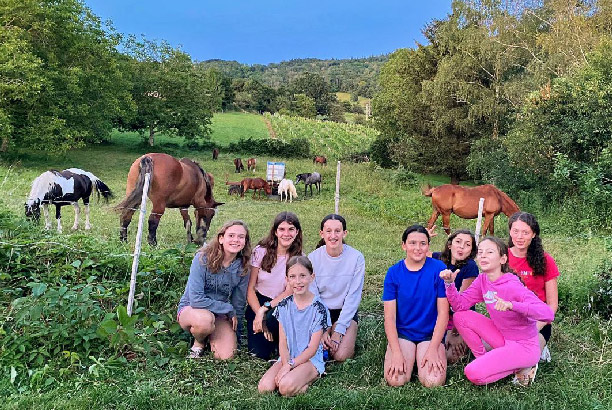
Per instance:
(32,209)
(301,177)
(206,215)
(267,188)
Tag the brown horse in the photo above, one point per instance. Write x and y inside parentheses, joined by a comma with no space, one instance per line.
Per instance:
(215,153)
(257,185)
(238,164)
(319,159)
(251,162)
(463,202)
(174,184)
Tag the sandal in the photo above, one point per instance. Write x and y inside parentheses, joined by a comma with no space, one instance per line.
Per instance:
(525,377)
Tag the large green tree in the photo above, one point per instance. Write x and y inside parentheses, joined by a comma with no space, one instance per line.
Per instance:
(61,82)
(315,87)
(170,93)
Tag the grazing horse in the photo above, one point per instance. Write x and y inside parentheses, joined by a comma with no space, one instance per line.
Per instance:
(257,185)
(238,165)
(234,189)
(63,188)
(215,153)
(463,202)
(173,184)
(319,159)
(309,179)
(286,187)
(251,162)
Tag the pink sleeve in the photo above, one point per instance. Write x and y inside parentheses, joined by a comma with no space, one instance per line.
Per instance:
(552,271)
(467,298)
(257,256)
(532,307)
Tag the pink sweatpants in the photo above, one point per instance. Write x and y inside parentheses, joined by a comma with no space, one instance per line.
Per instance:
(506,357)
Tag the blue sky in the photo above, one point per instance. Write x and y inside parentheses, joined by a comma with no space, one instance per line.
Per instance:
(270,31)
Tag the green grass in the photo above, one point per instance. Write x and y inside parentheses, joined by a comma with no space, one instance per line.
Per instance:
(231,126)
(377,211)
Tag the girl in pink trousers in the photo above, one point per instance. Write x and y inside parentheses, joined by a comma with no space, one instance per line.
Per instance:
(514,310)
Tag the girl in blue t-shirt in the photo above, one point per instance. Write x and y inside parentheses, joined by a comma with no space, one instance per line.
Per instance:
(416,314)
(302,320)
(458,255)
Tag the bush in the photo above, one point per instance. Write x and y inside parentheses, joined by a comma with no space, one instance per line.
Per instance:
(295,148)
(405,177)
(601,294)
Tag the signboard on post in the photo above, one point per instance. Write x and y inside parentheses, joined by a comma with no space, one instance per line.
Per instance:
(275,171)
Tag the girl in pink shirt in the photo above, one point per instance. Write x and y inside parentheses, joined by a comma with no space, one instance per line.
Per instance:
(514,310)
(267,283)
(535,267)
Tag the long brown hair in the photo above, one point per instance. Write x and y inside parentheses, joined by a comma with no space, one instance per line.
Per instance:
(270,242)
(214,254)
(535,251)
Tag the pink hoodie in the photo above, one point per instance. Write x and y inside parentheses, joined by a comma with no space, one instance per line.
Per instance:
(516,324)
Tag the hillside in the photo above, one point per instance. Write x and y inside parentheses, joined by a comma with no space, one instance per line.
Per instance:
(357,75)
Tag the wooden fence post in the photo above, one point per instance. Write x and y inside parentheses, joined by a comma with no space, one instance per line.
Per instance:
(143,211)
(337,196)
(479,221)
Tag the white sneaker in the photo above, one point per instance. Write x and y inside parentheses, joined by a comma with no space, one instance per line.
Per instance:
(545,356)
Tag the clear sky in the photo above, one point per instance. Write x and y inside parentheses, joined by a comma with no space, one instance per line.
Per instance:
(271,31)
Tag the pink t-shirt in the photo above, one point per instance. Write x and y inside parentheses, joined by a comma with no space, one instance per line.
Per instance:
(534,283)
(270,284)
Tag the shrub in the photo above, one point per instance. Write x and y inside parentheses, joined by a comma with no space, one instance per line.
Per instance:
(294,148)
(601,293)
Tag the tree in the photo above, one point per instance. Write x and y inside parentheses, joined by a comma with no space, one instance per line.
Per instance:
(171,95)
(315,87)
(61,81)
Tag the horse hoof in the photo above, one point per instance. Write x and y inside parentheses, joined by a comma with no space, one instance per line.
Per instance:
(74,228)
(87,227)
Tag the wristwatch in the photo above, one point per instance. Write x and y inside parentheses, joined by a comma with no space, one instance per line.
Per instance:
(268,305)
(291,363)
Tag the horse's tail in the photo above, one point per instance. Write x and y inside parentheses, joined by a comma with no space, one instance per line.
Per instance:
(135,197)
(427,190)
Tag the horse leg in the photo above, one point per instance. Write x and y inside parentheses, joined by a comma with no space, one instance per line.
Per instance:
(187,223)
(124,222)
(446,223)
(433,218)
(488,225)
(201,229)
(87,224)
(77,209)
(46,212)
(58,217)
(154,218)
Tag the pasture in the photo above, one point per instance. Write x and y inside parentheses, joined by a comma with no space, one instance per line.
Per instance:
(149,369)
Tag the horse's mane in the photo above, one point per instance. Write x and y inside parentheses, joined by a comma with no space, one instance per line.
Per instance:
(504,198)
(209,195)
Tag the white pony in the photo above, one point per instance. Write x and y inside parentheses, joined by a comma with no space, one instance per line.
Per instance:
(64,188)
(286,186)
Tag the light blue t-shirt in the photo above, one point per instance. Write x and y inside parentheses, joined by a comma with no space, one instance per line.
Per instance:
(416,294)
(299,325)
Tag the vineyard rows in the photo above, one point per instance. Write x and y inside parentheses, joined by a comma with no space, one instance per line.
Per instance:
(334,140)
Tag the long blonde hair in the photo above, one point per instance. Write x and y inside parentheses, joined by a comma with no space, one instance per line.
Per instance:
(214,253)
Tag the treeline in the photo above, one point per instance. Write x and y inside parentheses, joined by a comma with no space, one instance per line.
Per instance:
(358,76)
(514,93)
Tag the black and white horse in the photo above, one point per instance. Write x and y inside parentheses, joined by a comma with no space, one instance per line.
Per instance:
(309,179)
(64,188)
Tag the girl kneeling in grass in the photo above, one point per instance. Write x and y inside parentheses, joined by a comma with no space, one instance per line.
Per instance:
(416,314)
(514,310)
(215,295)
(302,320)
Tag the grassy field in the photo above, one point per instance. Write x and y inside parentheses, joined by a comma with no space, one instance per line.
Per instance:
(377,211)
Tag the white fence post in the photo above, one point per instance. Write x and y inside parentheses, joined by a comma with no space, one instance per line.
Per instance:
(337,196)
(143,211)
(479,221)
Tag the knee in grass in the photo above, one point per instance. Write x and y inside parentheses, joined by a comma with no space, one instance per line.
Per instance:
(286,388)
(473,375)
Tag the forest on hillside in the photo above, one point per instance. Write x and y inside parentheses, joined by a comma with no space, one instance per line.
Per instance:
(358,76)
